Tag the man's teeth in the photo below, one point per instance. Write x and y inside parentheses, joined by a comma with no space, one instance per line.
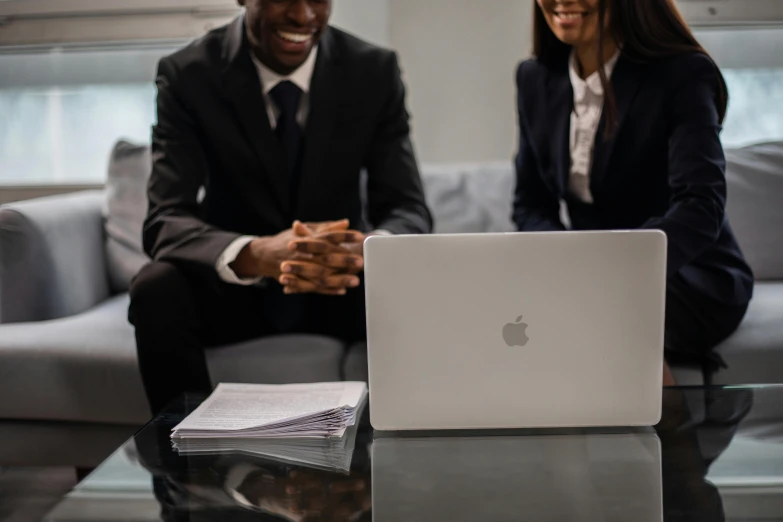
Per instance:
(295,37)
(570,17)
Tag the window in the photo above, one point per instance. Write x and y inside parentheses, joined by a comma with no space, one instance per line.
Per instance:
(755,112)
(63,111)
(753,68)
(63,135)
(41,9)
(77,75)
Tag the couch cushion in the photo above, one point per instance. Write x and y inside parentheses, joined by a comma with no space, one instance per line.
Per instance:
(755,179)
(81,368)
(51,257)
(464,198)
(125,210)
(355,366)
(84,368)
(754,354)
(470,198)
(278,360)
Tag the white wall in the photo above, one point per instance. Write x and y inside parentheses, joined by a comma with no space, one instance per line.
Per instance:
(459,58)
(368,19)
(748,47)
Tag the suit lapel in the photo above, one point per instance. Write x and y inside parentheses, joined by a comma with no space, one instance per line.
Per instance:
(626,80)
(244,90)
(554,141)
(324,90)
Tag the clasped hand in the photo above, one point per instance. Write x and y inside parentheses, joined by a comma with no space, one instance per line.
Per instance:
(325,259)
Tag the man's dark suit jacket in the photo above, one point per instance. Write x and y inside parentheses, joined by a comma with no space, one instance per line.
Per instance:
(213,132)
(664,167)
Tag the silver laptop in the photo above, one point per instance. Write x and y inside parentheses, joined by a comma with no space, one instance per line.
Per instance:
(563,478)
(515,330)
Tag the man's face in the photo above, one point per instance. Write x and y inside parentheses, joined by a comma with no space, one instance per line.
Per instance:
(284,32)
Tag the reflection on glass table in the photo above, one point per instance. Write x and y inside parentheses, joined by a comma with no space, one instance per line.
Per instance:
(611,477)
(717,455)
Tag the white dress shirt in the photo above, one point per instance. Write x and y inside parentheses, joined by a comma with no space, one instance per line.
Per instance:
(588,107)
(302,77)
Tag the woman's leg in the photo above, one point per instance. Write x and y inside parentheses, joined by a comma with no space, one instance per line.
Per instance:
(695,325)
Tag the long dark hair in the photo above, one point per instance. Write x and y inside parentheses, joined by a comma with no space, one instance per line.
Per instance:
(647,30)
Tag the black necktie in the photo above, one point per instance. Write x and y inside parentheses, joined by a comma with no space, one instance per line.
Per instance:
(288,97)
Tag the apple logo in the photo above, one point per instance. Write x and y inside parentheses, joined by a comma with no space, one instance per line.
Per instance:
(515,333)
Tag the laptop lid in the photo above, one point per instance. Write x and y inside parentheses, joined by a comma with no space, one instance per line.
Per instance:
(515,330)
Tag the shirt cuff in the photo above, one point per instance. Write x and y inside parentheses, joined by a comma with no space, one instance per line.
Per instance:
(234,479)
(228,256)
(381,232)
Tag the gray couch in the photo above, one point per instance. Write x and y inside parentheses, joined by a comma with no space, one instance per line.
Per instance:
(70,386)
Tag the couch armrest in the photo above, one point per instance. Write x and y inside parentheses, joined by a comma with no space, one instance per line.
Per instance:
(52,257)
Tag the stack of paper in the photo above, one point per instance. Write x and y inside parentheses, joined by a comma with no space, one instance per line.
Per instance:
(275,411)
(330,454)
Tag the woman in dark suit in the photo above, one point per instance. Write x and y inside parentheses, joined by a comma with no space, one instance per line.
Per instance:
(620,113)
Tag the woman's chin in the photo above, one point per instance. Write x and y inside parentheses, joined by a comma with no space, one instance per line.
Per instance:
(573,38)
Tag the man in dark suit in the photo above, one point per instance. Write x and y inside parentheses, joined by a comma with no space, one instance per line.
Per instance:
(264,127)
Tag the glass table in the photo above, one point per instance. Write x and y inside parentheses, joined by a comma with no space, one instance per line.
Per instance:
(717,455)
